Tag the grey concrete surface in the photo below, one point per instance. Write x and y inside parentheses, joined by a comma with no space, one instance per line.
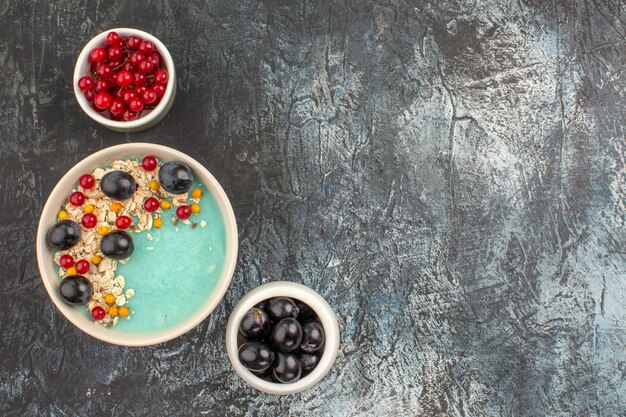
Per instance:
(450,175)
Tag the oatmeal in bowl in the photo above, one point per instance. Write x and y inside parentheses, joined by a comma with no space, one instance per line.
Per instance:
(137,244)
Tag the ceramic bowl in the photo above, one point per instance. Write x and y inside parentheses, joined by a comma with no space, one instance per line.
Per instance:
(307,296)
(148,118)
(49,271)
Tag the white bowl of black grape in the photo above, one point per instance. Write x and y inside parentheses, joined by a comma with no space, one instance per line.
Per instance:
(124,79)
(282,338)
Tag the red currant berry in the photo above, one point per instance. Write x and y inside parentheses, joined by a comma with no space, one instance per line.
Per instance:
(146,47)
(161,77)
(117,117)
(98,54)
(149,96)
(66,261)
(159,89)
(140,79)
(128,94)
(82,266)
(123,222)
(104,71)
(145,67)
(183,212)
(114,53)
(149,163)
(129,116)
(113,38)
(98,313)
(133,42)
(136,58)
(101,86)
(155,58)
(77,198)
(89,95)
(117,107)
(102,100)
(151,204)
(128,67)
(135,104)
(86,181)
(140,90)
(124,78)
(89,220)
(85,83)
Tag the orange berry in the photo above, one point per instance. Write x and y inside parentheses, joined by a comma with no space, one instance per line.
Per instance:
(116,207)
(109,299)
(103,230)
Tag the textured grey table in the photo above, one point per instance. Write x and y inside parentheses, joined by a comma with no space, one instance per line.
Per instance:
(448,174)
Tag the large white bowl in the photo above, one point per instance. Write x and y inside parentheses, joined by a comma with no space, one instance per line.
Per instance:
(148,118)
(307,296)
(59,195)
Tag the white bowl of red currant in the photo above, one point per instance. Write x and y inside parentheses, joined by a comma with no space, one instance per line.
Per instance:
(125,80)
(282,338)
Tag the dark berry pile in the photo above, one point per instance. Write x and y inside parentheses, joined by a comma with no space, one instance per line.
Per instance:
(127,77)
(283,340)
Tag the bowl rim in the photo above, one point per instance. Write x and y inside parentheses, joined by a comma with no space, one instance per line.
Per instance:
(144,120)
(304,294)
(48,216)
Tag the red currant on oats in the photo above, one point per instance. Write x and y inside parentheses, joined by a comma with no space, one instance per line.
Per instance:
(98,313)
(151,204)
(123,222)
(89,220)
(86,181)
(82,266)
(77,198)
(66,261)
(149,163)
